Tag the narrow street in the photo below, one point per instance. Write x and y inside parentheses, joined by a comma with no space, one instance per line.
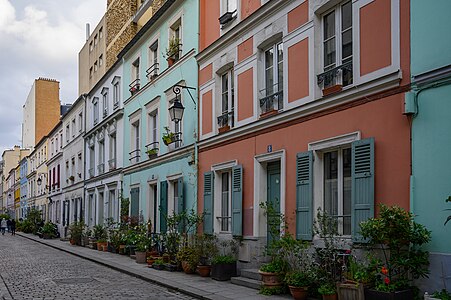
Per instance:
(29,270)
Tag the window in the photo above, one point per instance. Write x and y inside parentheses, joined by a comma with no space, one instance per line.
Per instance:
(80,122)
(90,46)
(95,66)
(100,60)
(175,185)
(95,110)
(135,143)
(100,33)
(112,161)
(227,100)
(116,91)
(80,165)
(337,46)
(226,202)
(67,133)
(74,128)
(90,72)
(72,170)
(105,101)
(92,160)
(152,71)
(230,5)
(101,157)
(337,187)
(153,130)
(135,83)
(95,40)
(175,40)
(272,94)
(229,8)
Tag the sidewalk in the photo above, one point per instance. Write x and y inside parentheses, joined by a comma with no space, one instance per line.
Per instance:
(190,284)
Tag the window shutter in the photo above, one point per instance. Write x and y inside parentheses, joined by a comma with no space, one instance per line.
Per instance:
(237,201)
(208,202)
(163,206)
(362,194)
(304,196)
(134,203)
(181,202)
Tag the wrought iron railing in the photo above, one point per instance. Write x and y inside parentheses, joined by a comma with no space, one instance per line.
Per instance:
(272,100)
(174,137)
(339,75)
(152,71)
(134,156)
(226,119)
(91,172)
(134,86)
(101,168)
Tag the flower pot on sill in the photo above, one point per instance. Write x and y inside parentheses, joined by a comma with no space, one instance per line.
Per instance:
(332,89)
(224,129)
(171,61)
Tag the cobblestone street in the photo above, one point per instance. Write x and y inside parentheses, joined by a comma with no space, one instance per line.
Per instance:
(29,270)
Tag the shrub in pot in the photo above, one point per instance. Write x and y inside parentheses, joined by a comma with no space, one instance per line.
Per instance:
(189,258)
(223,267)
(328,290)
(299,282)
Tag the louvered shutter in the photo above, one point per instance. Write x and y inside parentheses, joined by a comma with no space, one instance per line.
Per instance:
(180,202)
(362,194)
(163,206)
(134,195)
(304,196)
(237,201)
(208,202)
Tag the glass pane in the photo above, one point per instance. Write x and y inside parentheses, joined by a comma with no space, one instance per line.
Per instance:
(329,53)
(329,25)
(347,191)
(225,202)
(280,67)
(232,88)
(346,16)
(331,183)
(346,44)
(225,93)
(176,197)
(269,81)
(231,5)
(269,58)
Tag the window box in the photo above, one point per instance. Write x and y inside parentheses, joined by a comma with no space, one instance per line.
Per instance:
(171,61)
(171,137)
(227,17)
(269,113)
(332,89)
(152,153)
(224,129)
(134,86)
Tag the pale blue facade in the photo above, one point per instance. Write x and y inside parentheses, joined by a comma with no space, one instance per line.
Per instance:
(23,188)
(431,127)
(169,177)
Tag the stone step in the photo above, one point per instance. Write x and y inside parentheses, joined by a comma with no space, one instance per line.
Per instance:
(247,282)
(251,274)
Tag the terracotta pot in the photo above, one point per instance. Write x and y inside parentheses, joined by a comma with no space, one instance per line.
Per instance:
(330,297)
(204,271)
(102,245)
(171,61)
(187,268)
(299,293)
(271,279)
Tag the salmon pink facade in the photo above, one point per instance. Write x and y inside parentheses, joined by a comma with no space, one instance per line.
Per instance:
(301,106)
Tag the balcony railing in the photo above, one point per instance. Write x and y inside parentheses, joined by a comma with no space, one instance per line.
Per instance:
(134,86)
(152,71)
(174,137)
(91,172)
(112,164)
(134,156)
(101,168)
(152,149)
(341,75)
(226,119)
(271,100)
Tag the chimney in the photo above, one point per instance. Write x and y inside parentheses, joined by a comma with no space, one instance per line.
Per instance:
(88,33)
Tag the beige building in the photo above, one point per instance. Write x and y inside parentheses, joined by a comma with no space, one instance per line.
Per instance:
(41,111)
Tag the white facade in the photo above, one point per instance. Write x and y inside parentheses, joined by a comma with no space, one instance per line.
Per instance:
(54,165)
(104,149)
(29,120)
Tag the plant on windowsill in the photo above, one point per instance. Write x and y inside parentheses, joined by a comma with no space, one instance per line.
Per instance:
(168,137)
(172,50)
(152,152)
(399,238)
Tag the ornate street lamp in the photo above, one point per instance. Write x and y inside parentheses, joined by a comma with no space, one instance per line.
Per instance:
(177,109)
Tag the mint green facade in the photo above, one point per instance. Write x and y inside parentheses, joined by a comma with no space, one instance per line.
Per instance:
(169,178)
(431,131)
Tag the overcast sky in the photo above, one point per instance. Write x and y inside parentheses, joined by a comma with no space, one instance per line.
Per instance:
(39,38)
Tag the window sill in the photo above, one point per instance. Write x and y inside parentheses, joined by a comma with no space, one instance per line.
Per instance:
(269,113)
(332,89)
(224,129)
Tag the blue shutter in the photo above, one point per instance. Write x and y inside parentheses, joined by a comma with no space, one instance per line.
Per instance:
(134,202)
(180,202)
(362,194)
(304,196)
(237,201)
(208,202)
(163,206)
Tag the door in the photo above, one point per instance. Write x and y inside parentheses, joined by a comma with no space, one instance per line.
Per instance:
(273,201)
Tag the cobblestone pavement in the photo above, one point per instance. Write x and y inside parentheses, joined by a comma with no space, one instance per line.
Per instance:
(29,270)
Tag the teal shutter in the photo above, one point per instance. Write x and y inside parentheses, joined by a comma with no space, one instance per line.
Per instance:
(163,206)
(237,201)
(180,202)
(304,196)
(208,202)
(134,202)
(362,193)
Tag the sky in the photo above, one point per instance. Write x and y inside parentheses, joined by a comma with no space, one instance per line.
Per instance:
(39,38)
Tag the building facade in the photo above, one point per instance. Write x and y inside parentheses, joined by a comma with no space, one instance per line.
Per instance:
(301,107)
(161,179)
(37,178)
(428,107)
(54,166)
(23,187)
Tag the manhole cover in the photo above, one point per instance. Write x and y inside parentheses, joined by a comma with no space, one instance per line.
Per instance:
(73,280)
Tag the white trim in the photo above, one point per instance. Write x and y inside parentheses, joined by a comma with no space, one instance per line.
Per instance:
(334,141)
(260,194)
(224,166)
(201,119)
(149,201)
(174,177)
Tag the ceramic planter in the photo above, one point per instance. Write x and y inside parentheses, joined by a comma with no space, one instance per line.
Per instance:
(187,268)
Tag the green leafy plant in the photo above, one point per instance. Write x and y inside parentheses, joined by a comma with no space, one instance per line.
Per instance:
(100,233)
(443,295)
(152,152)
(189,255)
(358,271)
(206,248)
(269,291)
(275,266)
(174,47)
(159,262)
(168,136)
(327,288)
(76,230)
(400,238)
(299,279)
(48,229)
(223,259)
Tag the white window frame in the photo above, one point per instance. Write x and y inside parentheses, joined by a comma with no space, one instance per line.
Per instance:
(105,100)
(95,110)
(275,73)
(230,96)
(153,58)
(172,180)
(116,82)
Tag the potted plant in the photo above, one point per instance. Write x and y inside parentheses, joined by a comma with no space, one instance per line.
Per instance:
(172,52)
(48,230)
(328,290)
(223,267)
(158,264)
(298,283)
(189,259)
(76,230)
(206,248)
(100,234)
(168,136)
(142,246)
(152,152)
(399,238)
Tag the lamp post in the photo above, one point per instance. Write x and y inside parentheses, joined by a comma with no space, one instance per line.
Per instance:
(177,109)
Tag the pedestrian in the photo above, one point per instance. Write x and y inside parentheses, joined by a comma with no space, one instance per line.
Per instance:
(3,226)
(13,227)
(8,225)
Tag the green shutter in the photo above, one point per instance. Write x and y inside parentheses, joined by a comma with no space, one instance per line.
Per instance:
(208,202)
(180,202)
(163,206)
(362,194)
(304,196)
(134,202)
(237,201)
